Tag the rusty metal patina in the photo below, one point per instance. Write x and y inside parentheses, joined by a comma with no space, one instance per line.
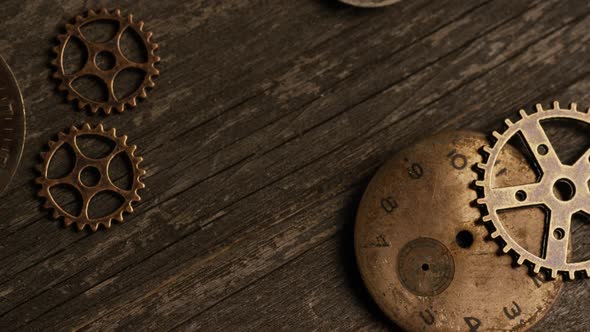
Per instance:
(74,179)
(422,250)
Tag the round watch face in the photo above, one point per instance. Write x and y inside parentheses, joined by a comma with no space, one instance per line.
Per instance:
(12,125)
(423,254)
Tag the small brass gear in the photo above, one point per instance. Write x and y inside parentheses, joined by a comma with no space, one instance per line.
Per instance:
(108,76)
(556,242)
(74,178)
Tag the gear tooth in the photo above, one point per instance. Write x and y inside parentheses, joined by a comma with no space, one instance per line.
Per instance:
(69,27)
(539,107)
(130,18)
(79,18)
(571,275)
(54,62)
(100,128)
(140,185)
(496,135)
(556,105)
(495,235)
(520,260)
(587,273)
(133,102)
(536,268)
(55,214)
(94,227)
(81,104)
(481,166)
(86,126)
(553,274)
(143,93)
(488,218)
(149,35)
(80,225)
(523,114)
(508,123)
(46,205)
(55,49)
(123,139)
(104,11)
(117,12)
(487,150)
(140,25)
(506,249)
(129,208)
(91,12)
(155,46)
(62,39)
(71,97)
(132,149)
(51,144)
(481,201)
(74,129)
(574,107)
(68,222)
(113,132)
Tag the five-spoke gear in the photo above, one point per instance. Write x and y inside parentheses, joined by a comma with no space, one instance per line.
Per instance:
(561,204)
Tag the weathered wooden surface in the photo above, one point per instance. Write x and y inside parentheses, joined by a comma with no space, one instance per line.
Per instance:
(267,122)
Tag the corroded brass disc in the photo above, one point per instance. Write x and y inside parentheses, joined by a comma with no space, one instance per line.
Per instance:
(422,251)
(12,125)
(370,3)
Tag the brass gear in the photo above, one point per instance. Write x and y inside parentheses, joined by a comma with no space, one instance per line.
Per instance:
(108,76)
(74,180)
(556,241)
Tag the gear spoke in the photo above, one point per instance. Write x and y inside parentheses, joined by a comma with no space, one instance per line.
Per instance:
(517,196)
(583,164)
(539,144)
(558,236)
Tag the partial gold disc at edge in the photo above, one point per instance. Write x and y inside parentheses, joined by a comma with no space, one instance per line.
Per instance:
(370,3)
(409,256)
(12,125)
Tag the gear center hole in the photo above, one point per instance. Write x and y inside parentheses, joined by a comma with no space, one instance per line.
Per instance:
(425,267)
(90,176)
(105,60)
(564,189)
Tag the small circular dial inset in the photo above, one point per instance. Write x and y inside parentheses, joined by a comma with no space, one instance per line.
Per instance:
(425,266)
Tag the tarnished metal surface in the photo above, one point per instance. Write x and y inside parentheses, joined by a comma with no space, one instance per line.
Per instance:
(422,251)
(370,3)
(561,206)
(89,190)
(12,125)
(110,48)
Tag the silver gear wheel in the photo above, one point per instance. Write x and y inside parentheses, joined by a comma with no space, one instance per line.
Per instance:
(556,242)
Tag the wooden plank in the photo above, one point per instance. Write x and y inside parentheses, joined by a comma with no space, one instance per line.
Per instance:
(265,125)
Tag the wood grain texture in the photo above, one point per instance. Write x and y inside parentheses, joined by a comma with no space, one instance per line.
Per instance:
(266,123)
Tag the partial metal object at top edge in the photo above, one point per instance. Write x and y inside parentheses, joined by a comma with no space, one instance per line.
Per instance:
(12,125)
(370,3)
